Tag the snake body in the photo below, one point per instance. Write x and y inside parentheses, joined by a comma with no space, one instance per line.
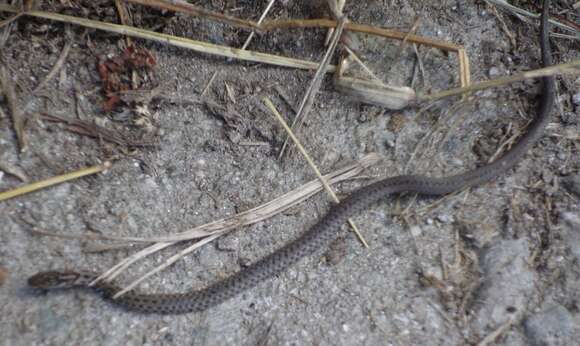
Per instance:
(318,237)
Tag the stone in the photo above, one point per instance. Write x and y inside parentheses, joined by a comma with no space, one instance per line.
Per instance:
(553,326)
(507,284)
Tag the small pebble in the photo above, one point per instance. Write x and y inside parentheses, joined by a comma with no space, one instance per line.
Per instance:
(494,72)
(576,99)
(389,139)
(507,284)
(444,218)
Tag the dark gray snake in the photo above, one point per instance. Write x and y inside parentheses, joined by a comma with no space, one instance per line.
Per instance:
(317,238)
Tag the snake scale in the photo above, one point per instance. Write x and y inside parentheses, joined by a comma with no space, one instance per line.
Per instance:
(318,237)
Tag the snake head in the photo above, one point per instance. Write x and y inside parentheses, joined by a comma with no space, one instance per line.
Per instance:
(55,279)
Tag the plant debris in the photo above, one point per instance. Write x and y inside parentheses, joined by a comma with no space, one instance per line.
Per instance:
(116,73)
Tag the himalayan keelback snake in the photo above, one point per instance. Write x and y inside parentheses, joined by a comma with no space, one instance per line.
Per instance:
(318,237)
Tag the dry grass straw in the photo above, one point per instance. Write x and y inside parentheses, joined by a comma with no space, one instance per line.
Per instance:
(220,227)
(16,112)
(491,337)
(307,157)
(230,52)
(168,262)
(53,181)
(198,46)
(315,82)
(9,20)
(522,14)
(260,20)
(55,68)
(572,67)
(192,10)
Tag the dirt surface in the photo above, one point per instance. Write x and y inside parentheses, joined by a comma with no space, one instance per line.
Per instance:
(501,258)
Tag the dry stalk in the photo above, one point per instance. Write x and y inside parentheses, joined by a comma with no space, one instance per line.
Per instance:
(192,10)
(18,115)
(248,217)
(307,157)
(53,181)
(314,86)
(198,46)
(572,67)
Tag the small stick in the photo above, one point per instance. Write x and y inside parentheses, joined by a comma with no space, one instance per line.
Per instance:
(464,74)
(9,20)
(168,262)
(362,28)
(314,84)
(406,38)
(124,17)
(489,339)
(55,68)
(249,39)
(421,68)
(286,99)
(521,12)
(97,248)
(505,142)
(335,7)
(13,169)
(209,83)
(245,218)
(230,92)
(41,232)
(184,7)
(355,57)
(274,111)
(18,116)
(198,46)
(572,67)
(54,181)
(87,128)
(505,28)
(229,52)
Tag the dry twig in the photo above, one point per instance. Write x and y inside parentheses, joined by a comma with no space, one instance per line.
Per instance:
(229,52)
(55,68)
(489,339)
(248,217)
(307,157)
(572,67)
(198,46)
(53,181)
(90,129)
(18,116)
(306,103)
(521,13)
(264,14)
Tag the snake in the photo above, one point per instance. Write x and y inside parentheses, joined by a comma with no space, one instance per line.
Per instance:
(318,237)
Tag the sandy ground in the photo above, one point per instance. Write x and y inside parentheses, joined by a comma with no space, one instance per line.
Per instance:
(501,258)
